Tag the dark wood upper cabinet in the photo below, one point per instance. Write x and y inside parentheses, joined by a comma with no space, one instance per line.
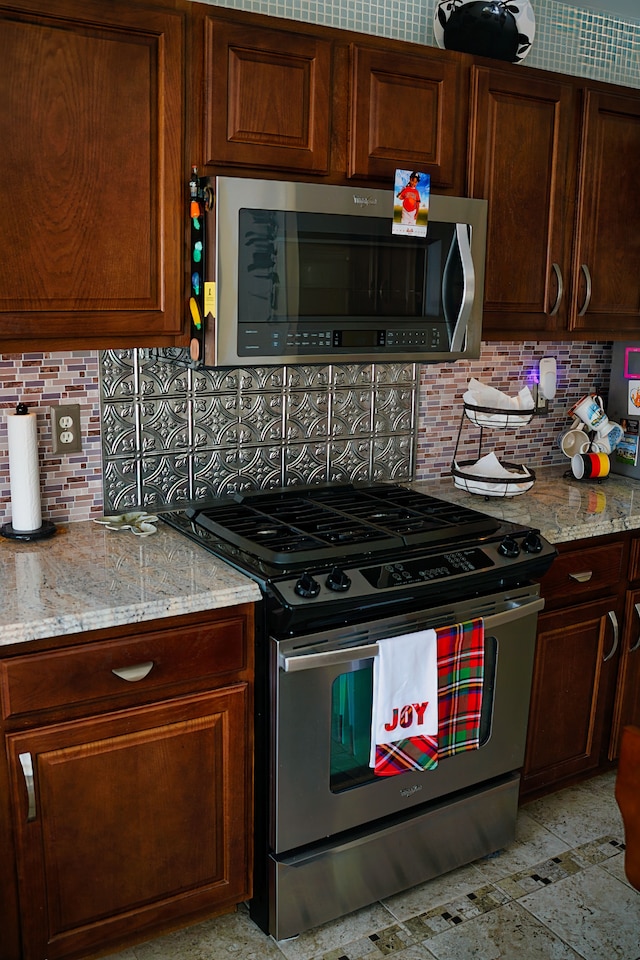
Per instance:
(556,158)
(267,97)
(521,162)
(606,294)
(91,174)
(408,111)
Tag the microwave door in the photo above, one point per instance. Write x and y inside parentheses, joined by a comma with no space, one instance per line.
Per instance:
(458,287)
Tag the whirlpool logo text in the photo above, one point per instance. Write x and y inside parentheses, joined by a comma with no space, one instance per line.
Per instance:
(409,791)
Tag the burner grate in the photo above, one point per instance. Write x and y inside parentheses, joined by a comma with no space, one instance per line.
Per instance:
(310,526)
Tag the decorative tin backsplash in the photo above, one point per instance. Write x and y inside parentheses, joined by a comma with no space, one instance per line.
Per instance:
(171,434)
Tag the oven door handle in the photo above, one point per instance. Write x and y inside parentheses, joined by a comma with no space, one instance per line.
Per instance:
(331,658)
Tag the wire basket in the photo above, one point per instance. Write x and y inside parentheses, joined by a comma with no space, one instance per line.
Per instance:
(511,486)
(497,418)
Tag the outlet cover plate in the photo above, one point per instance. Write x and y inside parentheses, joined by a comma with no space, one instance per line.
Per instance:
(65,428)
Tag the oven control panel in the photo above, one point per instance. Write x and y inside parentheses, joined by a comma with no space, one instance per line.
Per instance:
(523,554)
(426,568)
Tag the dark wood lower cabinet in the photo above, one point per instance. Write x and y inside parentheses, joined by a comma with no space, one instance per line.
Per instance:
(573,687)
(586,682)
(627,706)
(128,808)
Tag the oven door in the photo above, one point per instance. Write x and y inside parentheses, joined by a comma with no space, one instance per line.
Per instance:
(322,715)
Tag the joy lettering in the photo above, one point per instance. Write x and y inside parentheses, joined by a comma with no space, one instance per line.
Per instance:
(404,715)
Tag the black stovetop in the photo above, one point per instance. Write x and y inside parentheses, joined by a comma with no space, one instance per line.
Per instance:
(278,532)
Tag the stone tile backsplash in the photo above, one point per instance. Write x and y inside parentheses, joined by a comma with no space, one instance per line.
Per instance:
(172,434)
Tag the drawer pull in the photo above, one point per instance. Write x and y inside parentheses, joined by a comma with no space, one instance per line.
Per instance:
(27,771)
(137,672)
(558,273)
(582,577)
(636,645)
(587,296)
(614,623)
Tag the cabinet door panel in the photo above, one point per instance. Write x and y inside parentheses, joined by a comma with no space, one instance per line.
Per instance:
(608,233)
(627,705)
(137,816)
(267,97)
(90,174)
(407,112)
(520,162)
(572,690)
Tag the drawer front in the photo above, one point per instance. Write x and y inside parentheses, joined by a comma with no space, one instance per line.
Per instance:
(578,574)
(141,666)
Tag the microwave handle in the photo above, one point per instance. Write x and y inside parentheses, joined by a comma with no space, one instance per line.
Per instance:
(332,658)
(469,288)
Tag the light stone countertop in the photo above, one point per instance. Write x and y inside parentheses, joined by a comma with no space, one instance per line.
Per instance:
(562,508)
(86,577)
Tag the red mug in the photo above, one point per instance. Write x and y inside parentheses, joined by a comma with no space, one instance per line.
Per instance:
(590,466)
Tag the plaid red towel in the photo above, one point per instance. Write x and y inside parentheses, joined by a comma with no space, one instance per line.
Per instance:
(460,677)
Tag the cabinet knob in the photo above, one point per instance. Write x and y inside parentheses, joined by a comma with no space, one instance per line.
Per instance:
(136,672)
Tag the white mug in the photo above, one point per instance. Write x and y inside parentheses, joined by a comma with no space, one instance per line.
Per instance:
(574,441)
(607,437)
(590,411)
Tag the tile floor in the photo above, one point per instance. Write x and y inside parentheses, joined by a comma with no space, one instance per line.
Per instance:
(558,892)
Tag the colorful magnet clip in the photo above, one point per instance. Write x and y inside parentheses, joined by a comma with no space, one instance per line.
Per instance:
(195,283)
(195,314)
(197,251)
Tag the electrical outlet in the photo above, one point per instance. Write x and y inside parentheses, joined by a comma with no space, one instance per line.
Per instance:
(65,428)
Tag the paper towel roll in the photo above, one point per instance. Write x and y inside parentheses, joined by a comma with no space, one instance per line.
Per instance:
(24,472)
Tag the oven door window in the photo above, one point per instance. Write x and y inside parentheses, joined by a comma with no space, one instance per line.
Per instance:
(351,696)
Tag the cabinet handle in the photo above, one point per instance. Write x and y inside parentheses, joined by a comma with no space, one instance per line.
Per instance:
(636,645)
(558,273)
(581,577)
(587,298)
(137,672)
(614,624)
(27,771)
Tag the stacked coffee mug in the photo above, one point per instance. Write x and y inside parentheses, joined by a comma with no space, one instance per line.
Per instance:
(590,439)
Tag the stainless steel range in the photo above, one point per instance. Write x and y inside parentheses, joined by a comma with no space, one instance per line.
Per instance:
(342,567)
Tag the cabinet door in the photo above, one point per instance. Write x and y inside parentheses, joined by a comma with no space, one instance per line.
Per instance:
(407,112)
(520,161)
(607,264)
(130,822)
(267,97)
(627,706)
(91,174)
(571,697)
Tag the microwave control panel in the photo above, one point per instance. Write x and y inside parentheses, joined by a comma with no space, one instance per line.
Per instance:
(316,339)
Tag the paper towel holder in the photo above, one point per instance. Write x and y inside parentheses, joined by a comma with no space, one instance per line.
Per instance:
(46,528)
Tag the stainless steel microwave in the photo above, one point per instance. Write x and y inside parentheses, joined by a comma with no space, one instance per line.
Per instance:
(311,273)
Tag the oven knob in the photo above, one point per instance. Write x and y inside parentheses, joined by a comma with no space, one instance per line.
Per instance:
(509,547)
(532,543)
(307,586)
(338,580)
